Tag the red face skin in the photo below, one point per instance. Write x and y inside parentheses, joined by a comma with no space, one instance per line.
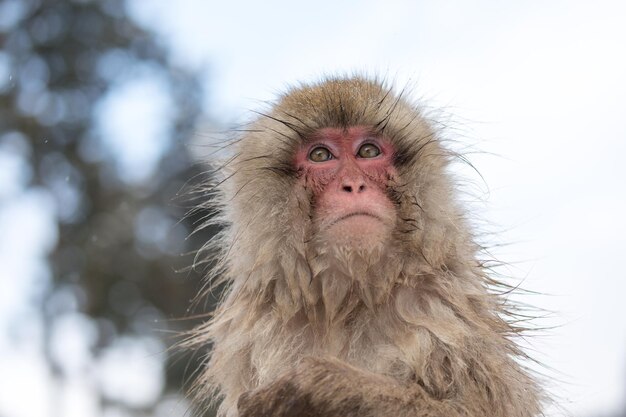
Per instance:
(349,191)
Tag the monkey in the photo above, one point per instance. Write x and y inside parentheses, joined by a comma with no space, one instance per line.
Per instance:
(353,285)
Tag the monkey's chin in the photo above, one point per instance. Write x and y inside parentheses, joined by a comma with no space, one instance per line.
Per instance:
(358,232)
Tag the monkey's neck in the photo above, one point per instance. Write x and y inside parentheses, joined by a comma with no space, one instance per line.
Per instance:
(385,316)
(387,328)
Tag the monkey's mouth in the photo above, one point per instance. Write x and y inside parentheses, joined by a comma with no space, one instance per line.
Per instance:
(354,214)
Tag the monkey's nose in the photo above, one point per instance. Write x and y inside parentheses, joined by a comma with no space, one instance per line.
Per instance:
(353,186)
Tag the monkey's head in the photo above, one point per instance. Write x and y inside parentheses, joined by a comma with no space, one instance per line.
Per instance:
(341,173)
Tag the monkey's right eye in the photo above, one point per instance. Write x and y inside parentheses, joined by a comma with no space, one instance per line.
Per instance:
(320,154)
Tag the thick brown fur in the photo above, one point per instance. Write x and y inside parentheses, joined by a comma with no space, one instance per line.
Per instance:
(412,328)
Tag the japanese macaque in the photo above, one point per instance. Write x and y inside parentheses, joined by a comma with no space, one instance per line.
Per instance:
(353,285)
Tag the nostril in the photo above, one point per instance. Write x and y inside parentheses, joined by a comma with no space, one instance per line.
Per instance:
(351,189)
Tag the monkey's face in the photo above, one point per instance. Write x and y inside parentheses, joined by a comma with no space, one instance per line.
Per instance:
(347,172)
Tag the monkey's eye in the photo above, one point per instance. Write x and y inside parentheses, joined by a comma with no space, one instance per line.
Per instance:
(320,154)
(369,150)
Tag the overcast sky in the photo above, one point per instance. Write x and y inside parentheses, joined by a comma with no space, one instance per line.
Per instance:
(540,84)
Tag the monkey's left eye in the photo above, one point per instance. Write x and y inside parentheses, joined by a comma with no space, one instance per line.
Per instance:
(320,154)
(368,150)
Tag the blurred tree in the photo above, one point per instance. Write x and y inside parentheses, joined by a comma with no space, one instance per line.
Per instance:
(69,67)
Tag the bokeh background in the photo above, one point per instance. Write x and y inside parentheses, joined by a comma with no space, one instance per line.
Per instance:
(109,108)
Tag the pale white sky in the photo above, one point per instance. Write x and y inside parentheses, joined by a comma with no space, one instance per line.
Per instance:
(539,83)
